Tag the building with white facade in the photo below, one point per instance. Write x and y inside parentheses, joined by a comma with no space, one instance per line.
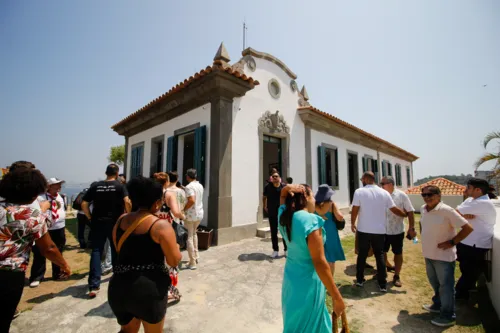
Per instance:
(234,123)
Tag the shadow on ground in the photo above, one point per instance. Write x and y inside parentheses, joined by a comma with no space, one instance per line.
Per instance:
(76,291)
(103,310)
(255,257)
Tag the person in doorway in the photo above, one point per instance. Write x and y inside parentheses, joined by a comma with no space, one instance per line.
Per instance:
(21,226)
(480,212)
(194,215)
(271,203)
(307,273)
(273,171)
(370,204)
(439,238)
(395,228)
(326,208)
(109,199)
(139,287)
(57,232)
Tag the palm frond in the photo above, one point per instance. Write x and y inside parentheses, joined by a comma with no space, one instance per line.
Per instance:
(485,158)
(489,137)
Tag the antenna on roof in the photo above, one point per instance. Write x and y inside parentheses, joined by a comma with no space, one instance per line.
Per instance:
(244,33)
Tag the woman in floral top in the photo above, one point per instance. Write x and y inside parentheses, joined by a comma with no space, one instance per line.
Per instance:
(22,222)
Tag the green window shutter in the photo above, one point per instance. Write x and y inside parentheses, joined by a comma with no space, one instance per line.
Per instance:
(336,167)
(133,162)
(200,145)
(172,153)
(375,169)
(389,169)
(408,177)
(384,169)
(321,165)
(365,164)
(140,151)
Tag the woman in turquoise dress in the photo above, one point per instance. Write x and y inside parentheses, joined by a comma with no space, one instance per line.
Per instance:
(327,209)
(307,273)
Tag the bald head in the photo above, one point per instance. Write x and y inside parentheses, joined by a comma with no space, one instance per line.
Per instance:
(368,177)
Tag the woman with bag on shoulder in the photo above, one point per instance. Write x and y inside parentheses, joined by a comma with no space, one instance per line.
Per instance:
(138,290)
(171,211)
(306,274)
(334,221)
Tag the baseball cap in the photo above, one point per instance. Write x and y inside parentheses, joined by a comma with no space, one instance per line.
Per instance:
(52,181)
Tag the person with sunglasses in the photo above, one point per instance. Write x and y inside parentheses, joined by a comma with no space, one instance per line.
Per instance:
(395,228)
(271,204)
(439,238)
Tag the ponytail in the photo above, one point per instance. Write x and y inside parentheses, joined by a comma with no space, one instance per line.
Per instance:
(293,204)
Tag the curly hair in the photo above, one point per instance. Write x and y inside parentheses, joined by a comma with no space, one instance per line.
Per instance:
(20,165)
(144,192)
(161,177)
(22,186)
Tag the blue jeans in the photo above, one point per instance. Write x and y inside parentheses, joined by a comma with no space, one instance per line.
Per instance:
(441,276)
(102,230)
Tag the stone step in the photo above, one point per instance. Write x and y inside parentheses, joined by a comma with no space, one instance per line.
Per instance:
(265,232)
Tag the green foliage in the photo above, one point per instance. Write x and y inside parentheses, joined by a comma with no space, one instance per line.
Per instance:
(117,154)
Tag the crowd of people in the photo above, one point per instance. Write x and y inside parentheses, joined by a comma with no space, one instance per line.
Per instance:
(309,225)
(137,223)
(122,218)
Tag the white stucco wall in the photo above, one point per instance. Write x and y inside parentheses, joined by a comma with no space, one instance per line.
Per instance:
(245,154)
(201,115)
(393,160)
(341,196)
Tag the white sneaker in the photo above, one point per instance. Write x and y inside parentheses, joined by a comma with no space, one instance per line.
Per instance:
(275,254)
(34,284)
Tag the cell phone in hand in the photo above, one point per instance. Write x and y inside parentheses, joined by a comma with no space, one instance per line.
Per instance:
(408,236)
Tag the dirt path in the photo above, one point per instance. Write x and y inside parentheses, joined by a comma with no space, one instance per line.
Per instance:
(78,260)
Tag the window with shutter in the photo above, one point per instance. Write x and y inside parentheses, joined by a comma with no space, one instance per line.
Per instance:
(365,164)
(321,165)
(384,168)
(328,165)
(200,145)
(136,160)
(172,153)
(389,169)
(408,177)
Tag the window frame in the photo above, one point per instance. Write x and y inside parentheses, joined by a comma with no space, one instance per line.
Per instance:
(334,180)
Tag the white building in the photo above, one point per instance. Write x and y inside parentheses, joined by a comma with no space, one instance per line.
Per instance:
(234,123)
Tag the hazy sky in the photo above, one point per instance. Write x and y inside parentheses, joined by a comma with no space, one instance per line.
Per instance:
(411,72)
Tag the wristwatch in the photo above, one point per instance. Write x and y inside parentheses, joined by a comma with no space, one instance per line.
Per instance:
(452,242)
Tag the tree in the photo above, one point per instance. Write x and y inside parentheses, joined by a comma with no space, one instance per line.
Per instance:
(486,157)
(117,154)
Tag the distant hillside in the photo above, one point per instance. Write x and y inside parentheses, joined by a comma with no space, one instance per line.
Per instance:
(461,179)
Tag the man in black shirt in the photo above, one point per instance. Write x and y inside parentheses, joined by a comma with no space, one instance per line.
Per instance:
(109,200)
(271,203)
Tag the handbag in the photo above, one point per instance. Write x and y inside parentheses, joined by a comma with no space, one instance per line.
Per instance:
(181,234)
(335,323)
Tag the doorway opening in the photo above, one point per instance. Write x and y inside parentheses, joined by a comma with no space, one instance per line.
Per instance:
(187,156)
(352,173)
(156,155)
(271,159)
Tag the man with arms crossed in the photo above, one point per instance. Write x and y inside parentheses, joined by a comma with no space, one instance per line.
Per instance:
(480,212)
(395,227)
(371,203)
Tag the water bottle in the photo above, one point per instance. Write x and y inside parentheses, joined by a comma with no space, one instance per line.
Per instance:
(415,240)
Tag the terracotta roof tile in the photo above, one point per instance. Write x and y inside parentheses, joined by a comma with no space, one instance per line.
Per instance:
(346,124)
(181,85)
(446,186)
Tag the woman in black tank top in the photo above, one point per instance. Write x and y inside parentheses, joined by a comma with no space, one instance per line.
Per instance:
(138,290)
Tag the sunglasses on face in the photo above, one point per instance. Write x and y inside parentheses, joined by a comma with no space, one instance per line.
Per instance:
(275,176)
(427,195)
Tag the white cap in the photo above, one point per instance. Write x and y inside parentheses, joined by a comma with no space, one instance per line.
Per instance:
(52,181)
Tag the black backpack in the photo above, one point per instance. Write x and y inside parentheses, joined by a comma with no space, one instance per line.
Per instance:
(77,203)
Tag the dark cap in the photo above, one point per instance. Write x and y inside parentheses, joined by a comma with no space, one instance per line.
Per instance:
(324,193)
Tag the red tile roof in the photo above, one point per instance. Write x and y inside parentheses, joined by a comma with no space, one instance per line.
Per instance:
(346,124)
(446,186)
(217,66)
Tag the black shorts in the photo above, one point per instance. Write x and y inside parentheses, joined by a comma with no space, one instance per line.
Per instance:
(395,242)
(142,296)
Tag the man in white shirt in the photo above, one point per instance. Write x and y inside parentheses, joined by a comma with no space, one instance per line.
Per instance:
(439,237)
(395,227)
(57,231)
(481,214)
(371,203)
(194,215)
